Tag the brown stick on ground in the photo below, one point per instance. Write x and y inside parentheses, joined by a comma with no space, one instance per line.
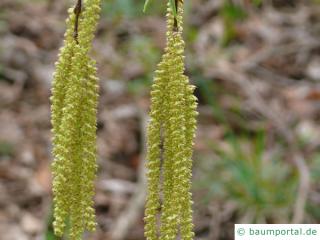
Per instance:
(77,11)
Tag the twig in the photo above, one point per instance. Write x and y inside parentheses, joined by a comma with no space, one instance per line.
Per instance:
(175,21)
(77,11)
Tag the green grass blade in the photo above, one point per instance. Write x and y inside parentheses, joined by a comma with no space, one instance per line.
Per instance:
(146,4)
(173,7)
(172,4)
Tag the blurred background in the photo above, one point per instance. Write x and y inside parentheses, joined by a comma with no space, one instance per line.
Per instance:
(256,65)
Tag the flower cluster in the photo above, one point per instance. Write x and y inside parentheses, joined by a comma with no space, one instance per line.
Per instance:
(73,106)
(170,141)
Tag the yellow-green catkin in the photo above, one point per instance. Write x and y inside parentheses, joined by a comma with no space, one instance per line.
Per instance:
(73,116)
(171,133)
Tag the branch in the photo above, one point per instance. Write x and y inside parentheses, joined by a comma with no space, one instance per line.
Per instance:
(77,11)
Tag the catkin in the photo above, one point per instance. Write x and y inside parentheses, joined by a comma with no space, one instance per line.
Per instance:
(73,117)
(171,133)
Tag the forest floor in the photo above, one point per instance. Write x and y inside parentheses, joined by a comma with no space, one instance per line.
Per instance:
(257,72)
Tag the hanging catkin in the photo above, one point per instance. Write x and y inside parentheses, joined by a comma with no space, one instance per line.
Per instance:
(73,116)
(170,141)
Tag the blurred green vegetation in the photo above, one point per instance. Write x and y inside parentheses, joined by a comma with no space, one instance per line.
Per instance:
(230,13)
(116,10)
(210,91)
(143,50)
(257,3)
(6,148)
(49,233)
(258,181)
(312,208)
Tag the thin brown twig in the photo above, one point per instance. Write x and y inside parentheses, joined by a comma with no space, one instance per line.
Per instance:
(77,11)
(175,23)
